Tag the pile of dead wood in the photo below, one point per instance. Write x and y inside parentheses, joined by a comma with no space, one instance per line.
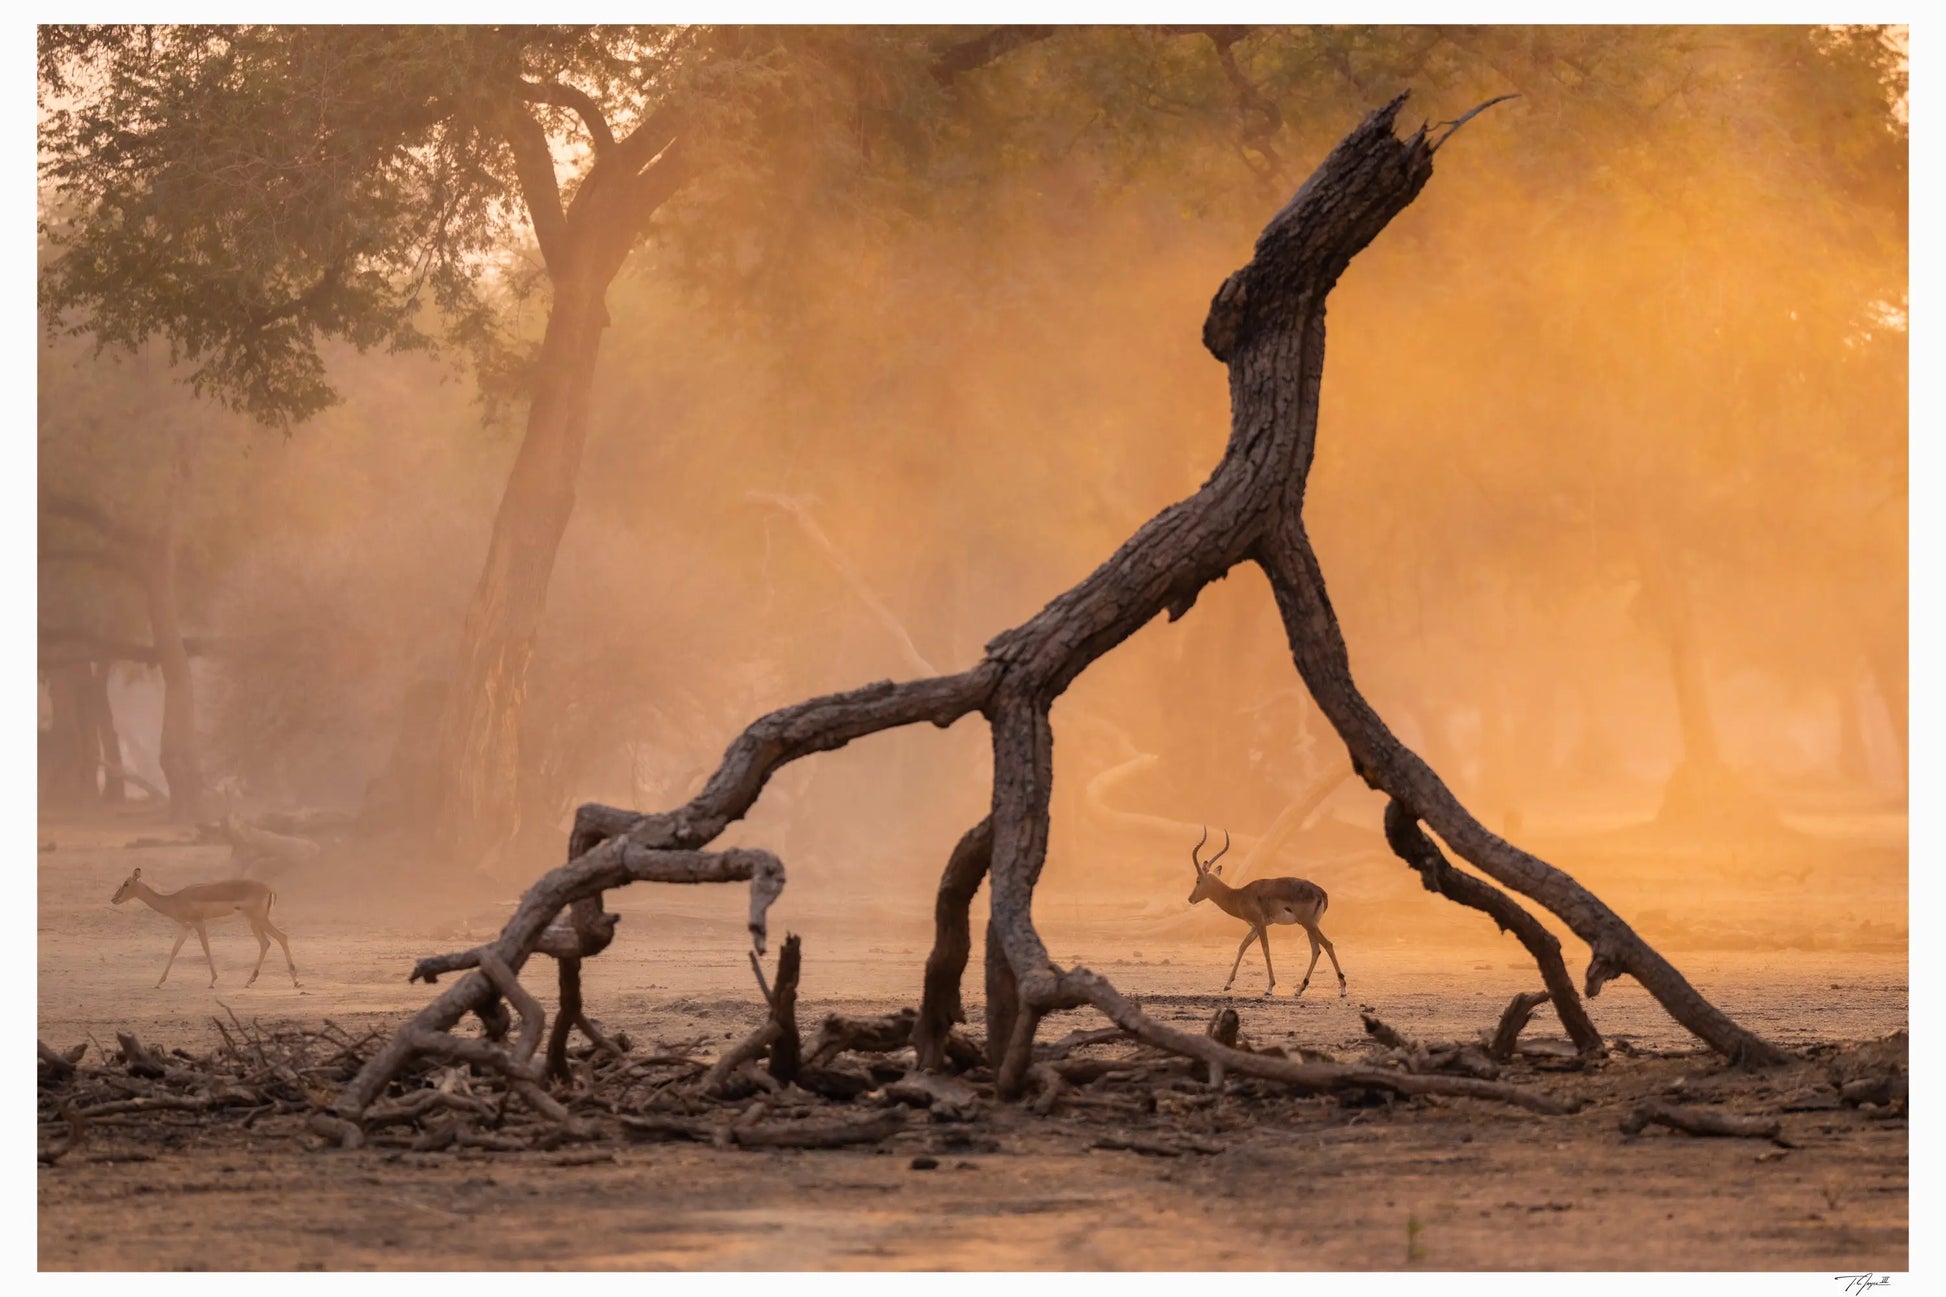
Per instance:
(251,1074)
(856,1081)
(1485,1058)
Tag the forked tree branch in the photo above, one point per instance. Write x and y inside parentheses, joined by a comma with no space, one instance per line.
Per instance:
(1266,323)
(540,189)
(579,102)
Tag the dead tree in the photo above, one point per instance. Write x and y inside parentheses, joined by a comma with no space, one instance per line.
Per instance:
(1267,325)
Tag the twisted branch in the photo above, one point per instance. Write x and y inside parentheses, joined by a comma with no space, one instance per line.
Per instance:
(1266,323)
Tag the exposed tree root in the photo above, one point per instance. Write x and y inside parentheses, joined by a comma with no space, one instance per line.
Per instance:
(1266,324)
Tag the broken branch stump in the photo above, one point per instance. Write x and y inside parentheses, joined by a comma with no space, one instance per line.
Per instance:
(1519,1011)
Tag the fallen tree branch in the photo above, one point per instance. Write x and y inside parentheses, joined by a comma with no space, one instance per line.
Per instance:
(1698,1121)
(248,843)
(1387,1035)
(807,1134)
(1078,1040)
(138,1058)
(60,1066)
(797,1134)
(879,1035)
(1083,987)
(1175,1146)
(946,1095)
(751,1047)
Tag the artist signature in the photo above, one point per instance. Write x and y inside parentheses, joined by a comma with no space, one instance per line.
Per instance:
(1858,1283)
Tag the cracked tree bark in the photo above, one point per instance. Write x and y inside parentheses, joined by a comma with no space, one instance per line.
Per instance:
(1266,324)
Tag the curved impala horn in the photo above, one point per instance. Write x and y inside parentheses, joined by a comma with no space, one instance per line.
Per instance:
(1198,847)
(1219,855)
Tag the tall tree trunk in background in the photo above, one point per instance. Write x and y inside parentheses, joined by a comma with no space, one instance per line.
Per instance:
(584,242)
(74,755)
(479,736)
(1692,694)
(180,755)
(149,559)
(1702,789)
(108,741)
(1887,664)
(1853,761)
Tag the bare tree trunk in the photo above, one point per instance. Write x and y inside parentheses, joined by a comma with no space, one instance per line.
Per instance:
(1889,672)
(1853,760)
(150,559)
(74,754)
(478,807)
(1702,789)
(179,756)
(108,741)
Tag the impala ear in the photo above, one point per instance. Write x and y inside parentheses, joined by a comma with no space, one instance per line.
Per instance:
(136,874)
(1218,871)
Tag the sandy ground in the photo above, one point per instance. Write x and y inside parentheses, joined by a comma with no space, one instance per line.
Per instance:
(1449,1186)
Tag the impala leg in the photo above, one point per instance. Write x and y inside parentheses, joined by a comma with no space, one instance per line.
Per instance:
(1263,937)
(1318,938)
(1312,933)
(182,935)
(276,932)
(1248,937)
(263,948)
(202,935)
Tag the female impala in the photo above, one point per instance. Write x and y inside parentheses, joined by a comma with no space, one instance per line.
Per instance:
(203,903)
(1262,903)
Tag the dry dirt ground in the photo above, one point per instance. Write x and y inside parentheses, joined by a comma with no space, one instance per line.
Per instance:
(1297,1184)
